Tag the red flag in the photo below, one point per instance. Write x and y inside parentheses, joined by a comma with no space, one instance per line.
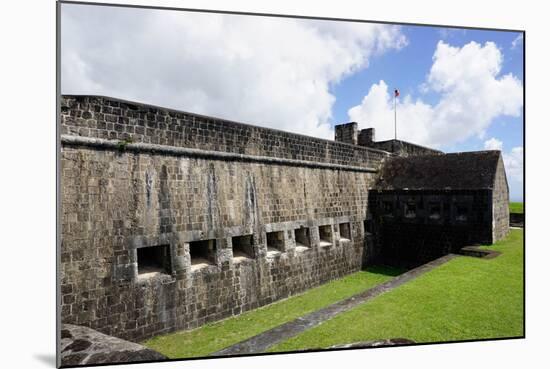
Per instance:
(396,92)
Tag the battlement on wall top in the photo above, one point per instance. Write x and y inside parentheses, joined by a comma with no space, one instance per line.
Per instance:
(106,118)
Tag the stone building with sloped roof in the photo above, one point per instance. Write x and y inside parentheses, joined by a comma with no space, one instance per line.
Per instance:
(426,206)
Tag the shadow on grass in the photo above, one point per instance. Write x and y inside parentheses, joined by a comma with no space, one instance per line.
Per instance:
(387,270)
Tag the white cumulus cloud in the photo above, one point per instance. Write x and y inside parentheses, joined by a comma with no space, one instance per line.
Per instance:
(274,72)
(493,144)
(513,162)
(472,94)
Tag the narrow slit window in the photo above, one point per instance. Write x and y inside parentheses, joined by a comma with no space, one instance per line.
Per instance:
(325,235)
(202,253)
(275,241)
(410,209)
(345,231)
(387,207)
(434,209)
(461,212)
(243,247)
(154,260)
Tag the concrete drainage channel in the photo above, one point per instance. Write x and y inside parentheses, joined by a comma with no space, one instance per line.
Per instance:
(263,341)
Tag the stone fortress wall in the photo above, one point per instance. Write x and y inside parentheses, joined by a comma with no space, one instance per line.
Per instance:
(171,220)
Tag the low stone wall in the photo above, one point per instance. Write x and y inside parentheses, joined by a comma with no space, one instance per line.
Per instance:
(517,219)
(376,343)
(85,346)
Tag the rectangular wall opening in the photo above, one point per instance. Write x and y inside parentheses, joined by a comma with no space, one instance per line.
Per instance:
(154,260)
(387,208)
(434,210)
(325,235)
(345,231)
(461,211)
(410,209)
(202,253)
(275,241)
(301,235)
(243,247)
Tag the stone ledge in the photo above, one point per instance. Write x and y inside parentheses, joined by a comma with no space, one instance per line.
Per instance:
(69,140)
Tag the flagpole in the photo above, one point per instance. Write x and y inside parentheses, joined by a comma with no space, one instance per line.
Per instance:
(395,114)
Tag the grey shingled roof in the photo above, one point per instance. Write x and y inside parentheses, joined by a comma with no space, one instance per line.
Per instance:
(464,170)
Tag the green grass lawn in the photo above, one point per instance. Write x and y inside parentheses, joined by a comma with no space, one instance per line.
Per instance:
(216,336)
(467,298)
(516,207)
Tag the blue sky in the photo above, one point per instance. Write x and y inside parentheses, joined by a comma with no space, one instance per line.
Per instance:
(407,68)
(461,90)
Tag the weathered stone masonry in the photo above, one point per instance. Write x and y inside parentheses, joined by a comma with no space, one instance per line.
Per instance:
(171,220)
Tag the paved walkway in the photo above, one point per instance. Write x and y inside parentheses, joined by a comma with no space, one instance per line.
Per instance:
(267,339)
